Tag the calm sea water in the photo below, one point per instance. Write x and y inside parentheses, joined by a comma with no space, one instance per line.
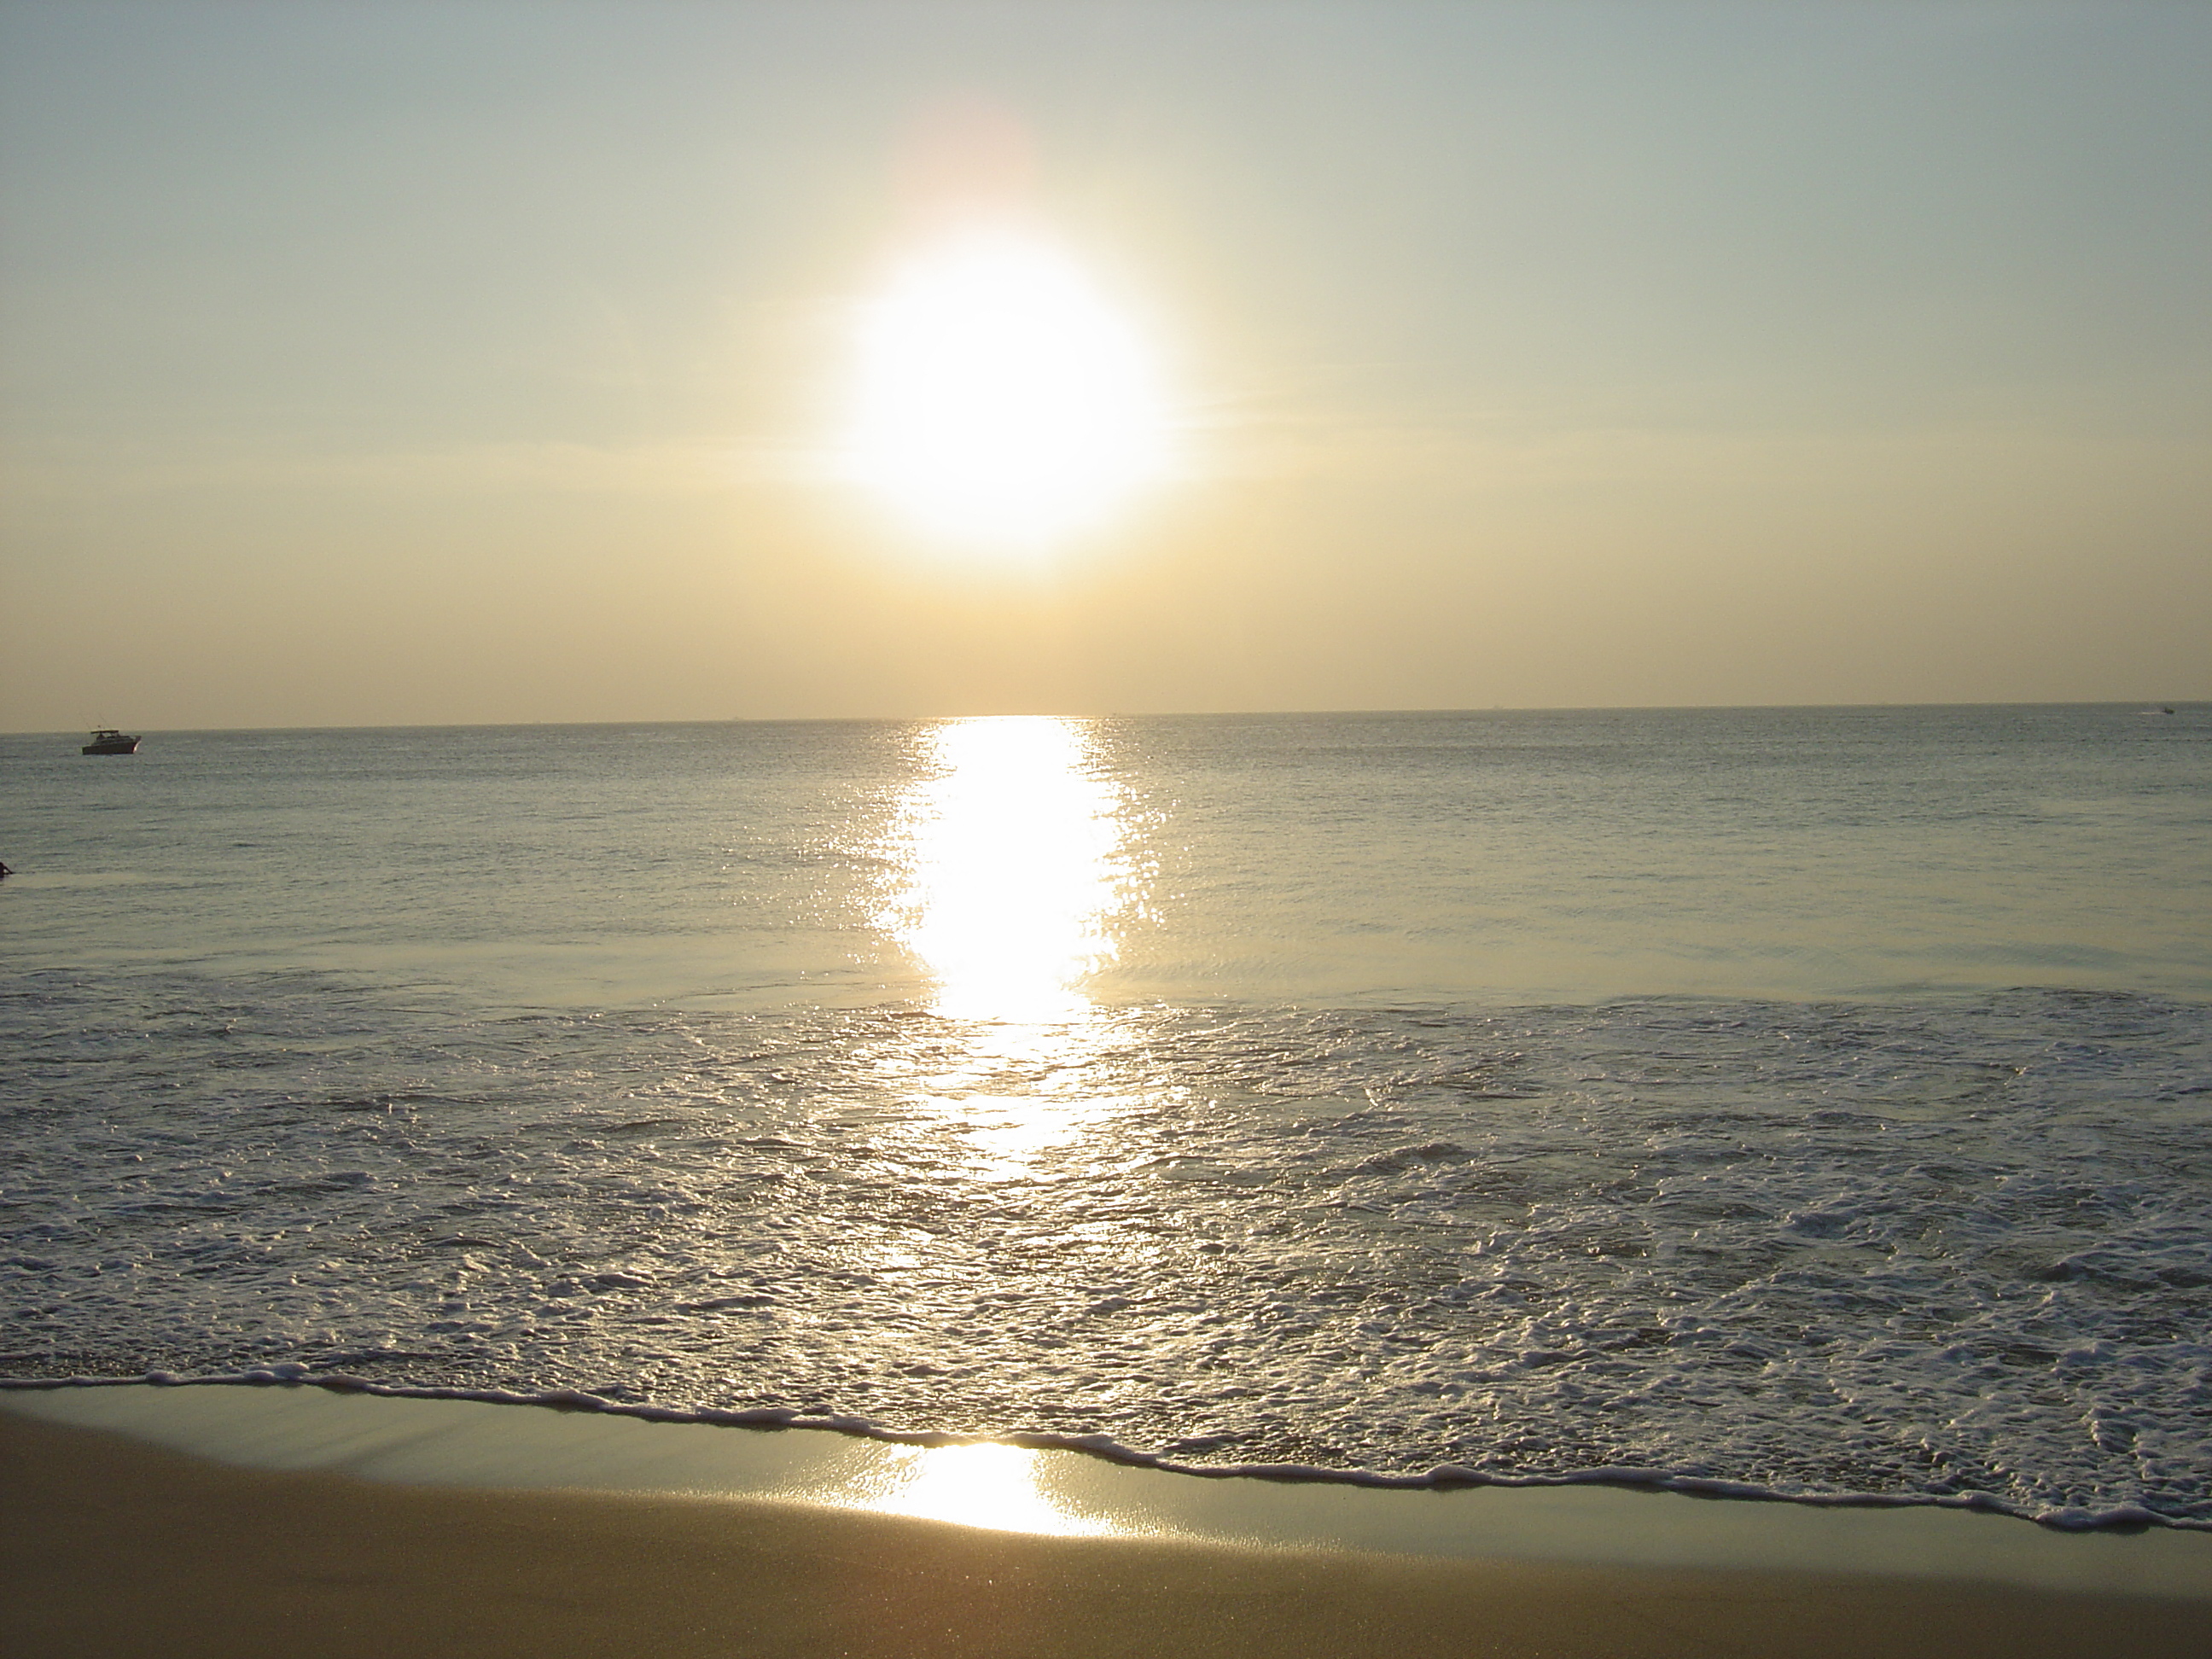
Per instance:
(1813,1099)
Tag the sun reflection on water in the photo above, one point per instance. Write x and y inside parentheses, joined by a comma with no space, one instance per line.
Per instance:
(1014,872)
(1014,852)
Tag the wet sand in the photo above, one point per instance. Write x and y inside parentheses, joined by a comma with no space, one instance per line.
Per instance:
(109,1546)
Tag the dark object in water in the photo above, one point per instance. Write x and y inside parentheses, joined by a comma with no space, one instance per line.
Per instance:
(109,741)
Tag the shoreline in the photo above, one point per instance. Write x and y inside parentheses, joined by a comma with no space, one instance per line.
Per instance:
(2126,1517)
(113,1545)
(243,1520)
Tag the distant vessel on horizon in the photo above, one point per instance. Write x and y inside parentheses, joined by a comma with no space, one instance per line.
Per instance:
(108,741)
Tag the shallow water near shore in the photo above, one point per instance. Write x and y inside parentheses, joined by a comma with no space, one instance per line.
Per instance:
(1808,1101)
(1068,1493)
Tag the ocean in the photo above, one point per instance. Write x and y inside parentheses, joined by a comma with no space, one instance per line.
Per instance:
(1805,1102)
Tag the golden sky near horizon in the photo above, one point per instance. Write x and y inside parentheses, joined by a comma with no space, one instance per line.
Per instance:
(490,363)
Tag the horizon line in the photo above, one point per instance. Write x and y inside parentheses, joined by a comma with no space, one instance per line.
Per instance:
(2141,704)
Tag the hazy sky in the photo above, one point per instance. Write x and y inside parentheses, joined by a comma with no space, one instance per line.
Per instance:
(387,363)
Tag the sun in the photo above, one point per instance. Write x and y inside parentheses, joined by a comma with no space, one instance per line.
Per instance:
(999,400)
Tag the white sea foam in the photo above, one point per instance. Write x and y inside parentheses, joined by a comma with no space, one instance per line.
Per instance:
(1955,1252)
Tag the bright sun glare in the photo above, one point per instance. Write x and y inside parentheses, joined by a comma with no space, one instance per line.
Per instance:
(1015,869)
(1000,400)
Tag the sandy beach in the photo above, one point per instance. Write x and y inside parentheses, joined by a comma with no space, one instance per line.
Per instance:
(113,1545)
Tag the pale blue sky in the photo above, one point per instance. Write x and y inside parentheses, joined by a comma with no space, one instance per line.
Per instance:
(462,361)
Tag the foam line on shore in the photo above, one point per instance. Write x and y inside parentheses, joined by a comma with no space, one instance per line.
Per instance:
(1441,1477)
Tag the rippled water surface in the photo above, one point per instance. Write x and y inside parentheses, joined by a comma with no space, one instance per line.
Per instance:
(1814,1099)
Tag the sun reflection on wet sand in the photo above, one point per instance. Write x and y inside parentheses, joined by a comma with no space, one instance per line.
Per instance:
(986,1485)
(1014,871)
